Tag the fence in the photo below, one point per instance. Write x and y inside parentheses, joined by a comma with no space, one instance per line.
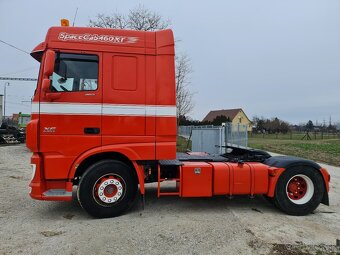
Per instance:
(313,135)
(236,134)
(185,131)
(212,139)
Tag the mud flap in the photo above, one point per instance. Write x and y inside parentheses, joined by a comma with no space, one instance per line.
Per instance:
(325,199)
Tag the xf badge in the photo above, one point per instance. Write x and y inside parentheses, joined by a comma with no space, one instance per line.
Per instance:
(49,129)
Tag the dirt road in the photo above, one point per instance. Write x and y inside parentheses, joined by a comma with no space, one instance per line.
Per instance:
(167,226)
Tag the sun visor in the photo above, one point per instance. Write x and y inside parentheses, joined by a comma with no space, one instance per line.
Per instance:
(38,51)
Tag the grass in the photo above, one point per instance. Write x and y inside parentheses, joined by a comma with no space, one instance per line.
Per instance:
(182,144)
(327,151)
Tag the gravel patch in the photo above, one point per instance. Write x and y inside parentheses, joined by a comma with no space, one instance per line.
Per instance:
(168,225)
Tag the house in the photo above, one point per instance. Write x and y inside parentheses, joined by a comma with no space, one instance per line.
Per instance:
(236,116)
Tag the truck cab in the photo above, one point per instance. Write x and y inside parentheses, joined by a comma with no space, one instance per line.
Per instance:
(100,91)
(104,119)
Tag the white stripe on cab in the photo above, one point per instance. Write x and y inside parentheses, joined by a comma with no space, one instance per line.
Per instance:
(105,109)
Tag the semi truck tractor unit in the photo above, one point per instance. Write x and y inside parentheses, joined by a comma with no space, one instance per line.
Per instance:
(104,120)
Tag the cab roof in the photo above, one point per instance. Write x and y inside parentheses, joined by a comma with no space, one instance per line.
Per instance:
(106,39)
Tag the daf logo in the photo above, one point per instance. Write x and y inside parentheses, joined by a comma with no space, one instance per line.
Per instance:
(49,129)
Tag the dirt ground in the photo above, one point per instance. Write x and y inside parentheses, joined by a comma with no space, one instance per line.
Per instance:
(169,225)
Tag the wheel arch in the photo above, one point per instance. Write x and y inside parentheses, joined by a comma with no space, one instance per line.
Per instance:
(80,166)
(287,162)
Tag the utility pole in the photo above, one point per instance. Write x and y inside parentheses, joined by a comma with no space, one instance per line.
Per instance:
(6,84)
(1,107)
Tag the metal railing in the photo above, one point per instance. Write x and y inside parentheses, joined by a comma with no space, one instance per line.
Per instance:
(236,134)
(186,131)
(213,139)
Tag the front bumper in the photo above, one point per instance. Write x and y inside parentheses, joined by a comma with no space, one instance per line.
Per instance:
(41,189)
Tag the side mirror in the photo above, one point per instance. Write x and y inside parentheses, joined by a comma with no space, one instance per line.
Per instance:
(49,63)
(46,90)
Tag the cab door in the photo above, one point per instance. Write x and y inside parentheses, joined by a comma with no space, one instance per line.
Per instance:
(124,104)
(70,113)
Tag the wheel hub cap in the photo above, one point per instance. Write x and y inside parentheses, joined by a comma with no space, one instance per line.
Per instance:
(109,190)
(297,188)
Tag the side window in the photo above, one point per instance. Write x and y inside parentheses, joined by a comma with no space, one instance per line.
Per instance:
(75,72)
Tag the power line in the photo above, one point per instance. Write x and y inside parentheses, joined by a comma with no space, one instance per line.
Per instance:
(17,79)
(16,103)
(21,71)
(14,47)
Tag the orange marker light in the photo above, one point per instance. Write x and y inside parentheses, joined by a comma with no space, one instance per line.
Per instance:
(64,22)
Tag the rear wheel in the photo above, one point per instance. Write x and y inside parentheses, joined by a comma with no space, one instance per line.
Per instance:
(299,190)
(107,189)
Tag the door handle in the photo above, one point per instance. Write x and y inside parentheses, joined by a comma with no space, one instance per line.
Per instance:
(91,130)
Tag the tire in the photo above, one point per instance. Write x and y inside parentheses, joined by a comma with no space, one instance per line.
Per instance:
(107,189)
(299,190)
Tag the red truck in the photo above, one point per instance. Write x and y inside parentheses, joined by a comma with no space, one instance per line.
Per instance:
(104,120)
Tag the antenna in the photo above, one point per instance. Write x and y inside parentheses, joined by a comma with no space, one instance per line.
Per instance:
(75,16)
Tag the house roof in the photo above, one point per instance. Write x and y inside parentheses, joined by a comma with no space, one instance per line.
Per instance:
(229,113)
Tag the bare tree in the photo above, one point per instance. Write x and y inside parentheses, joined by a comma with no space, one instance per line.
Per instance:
(117,21)
(139,18)
(144,19)
(183,94)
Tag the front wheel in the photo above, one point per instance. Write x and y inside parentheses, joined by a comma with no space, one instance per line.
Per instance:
(299,190)
(107,189)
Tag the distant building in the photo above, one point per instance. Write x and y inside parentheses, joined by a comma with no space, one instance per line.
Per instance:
(15,117)
(236,116)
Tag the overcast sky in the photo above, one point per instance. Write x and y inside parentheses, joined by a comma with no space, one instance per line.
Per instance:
(271,58)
